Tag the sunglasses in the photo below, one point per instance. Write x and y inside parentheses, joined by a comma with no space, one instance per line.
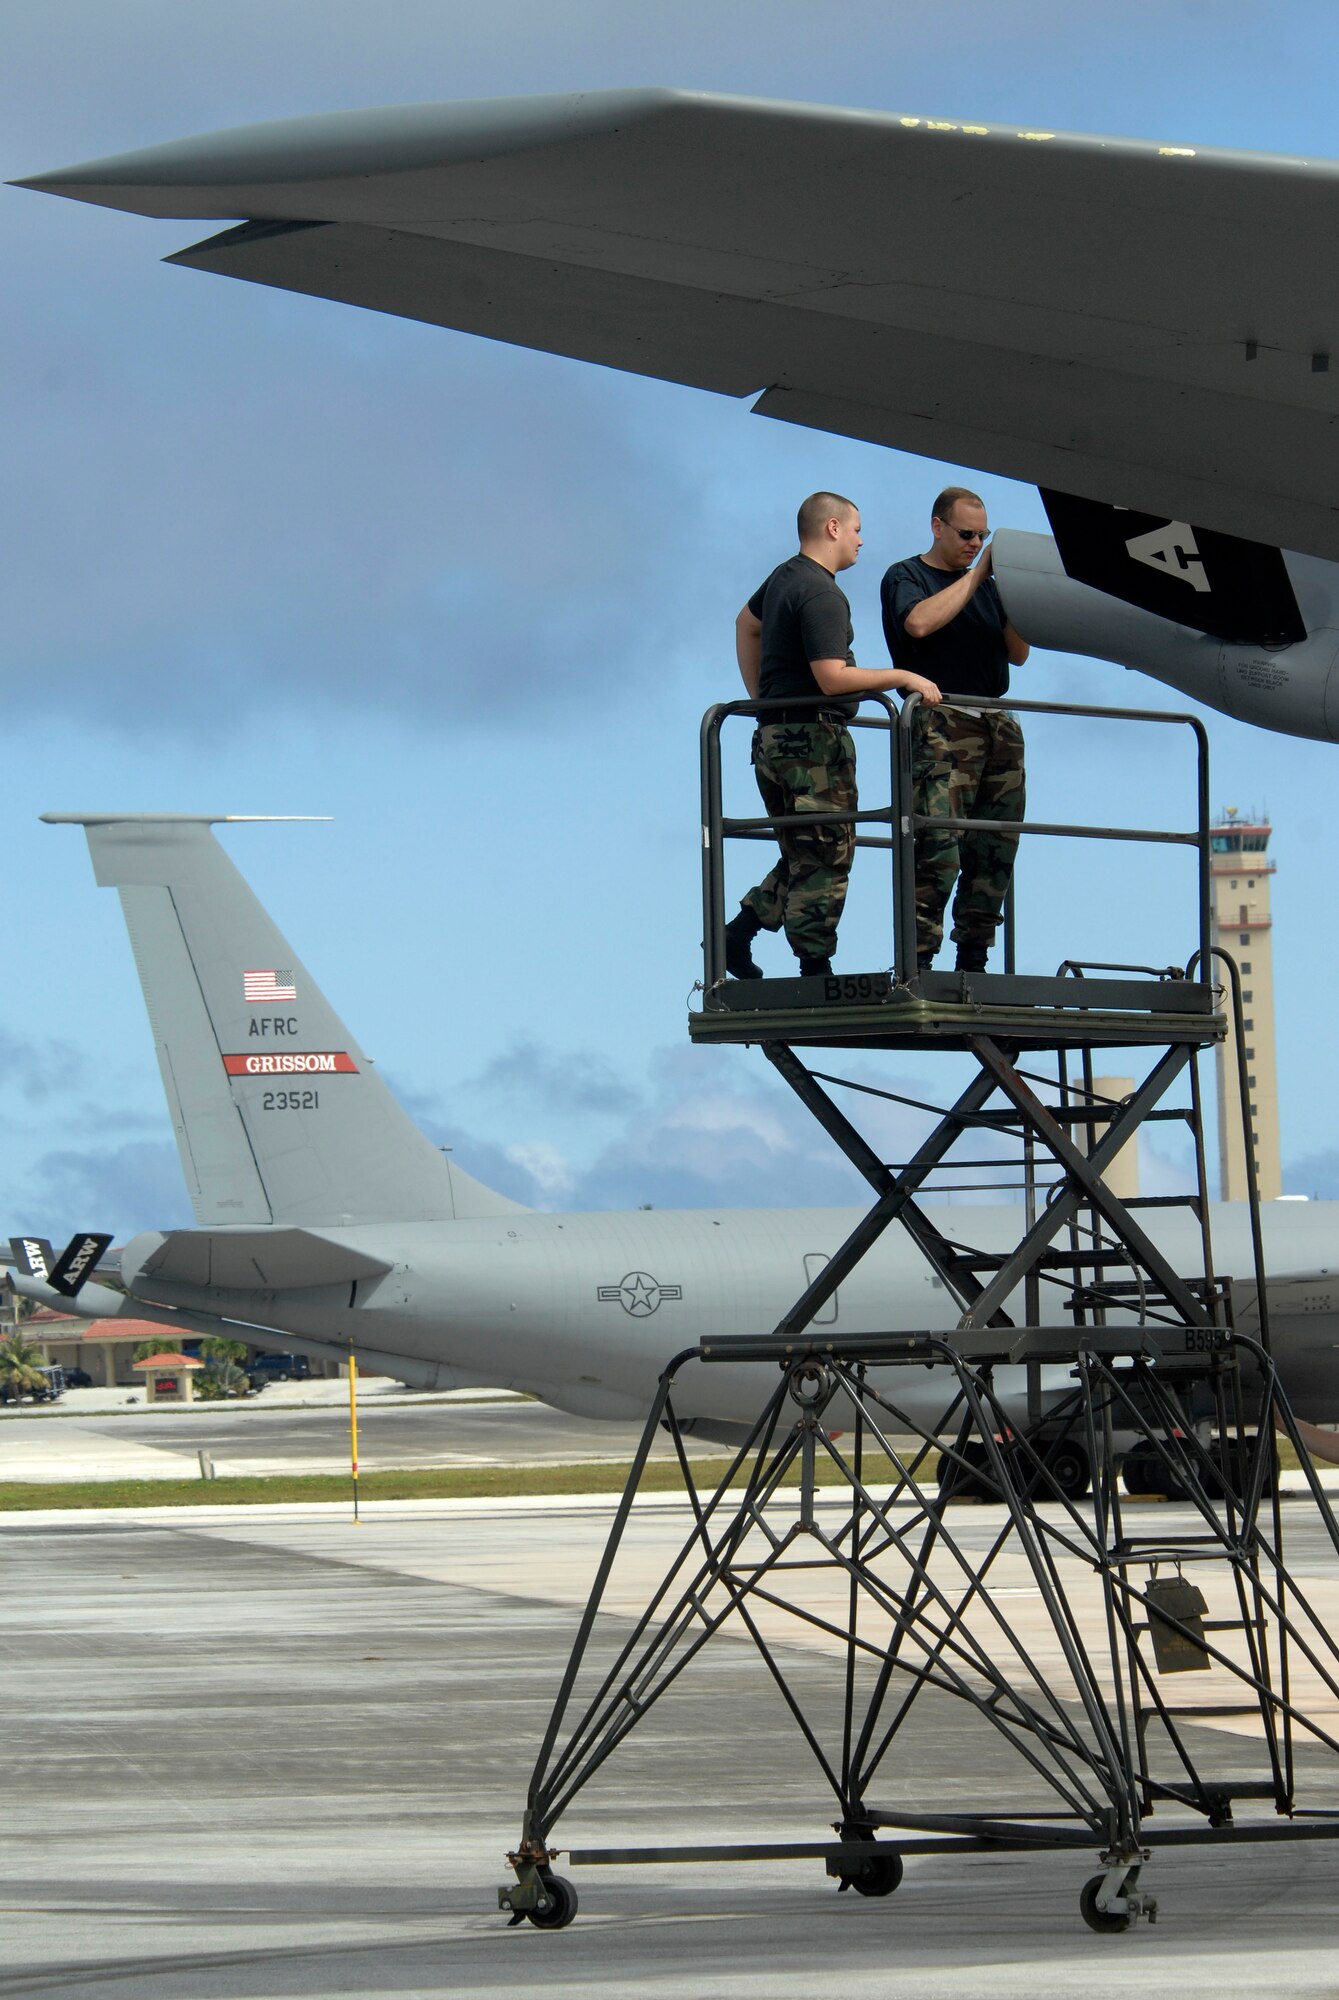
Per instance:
(968,534)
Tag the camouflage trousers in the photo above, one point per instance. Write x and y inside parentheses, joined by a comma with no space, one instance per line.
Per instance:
(965,767)
(805,767)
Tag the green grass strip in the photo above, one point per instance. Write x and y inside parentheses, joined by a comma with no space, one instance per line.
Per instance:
(485,1482)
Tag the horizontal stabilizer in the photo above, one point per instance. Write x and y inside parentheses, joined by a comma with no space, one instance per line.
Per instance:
(248,1260)
(91,1301)
(33,1255)
(76,1263)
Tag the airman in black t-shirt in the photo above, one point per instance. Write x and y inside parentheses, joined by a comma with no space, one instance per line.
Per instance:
(942,615)
(793,640)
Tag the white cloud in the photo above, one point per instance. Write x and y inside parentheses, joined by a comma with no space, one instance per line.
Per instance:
(546,1167)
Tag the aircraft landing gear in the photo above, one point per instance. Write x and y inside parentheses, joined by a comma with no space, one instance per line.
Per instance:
(967,1473)
(1067,1464)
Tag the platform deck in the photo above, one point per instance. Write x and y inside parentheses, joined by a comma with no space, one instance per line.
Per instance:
(946,1009)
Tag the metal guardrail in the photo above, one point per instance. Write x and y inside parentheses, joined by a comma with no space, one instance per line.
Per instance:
(900,822)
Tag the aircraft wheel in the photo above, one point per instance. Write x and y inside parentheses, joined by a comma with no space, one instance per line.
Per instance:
(1106,1921)
(562,1905)
(880,1875)
(968,1481)
(1069,1468)
(1144,1472)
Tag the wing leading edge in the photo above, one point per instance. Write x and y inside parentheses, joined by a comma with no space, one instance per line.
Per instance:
(1050,306)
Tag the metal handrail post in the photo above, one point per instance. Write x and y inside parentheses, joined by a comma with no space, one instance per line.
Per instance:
(713,852)
(1202,802)
(904,854)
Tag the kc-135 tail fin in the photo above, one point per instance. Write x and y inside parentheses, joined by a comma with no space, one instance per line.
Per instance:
(279,1116)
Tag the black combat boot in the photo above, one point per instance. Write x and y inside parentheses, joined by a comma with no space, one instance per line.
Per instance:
(739,935)
(815,968)
(972,957)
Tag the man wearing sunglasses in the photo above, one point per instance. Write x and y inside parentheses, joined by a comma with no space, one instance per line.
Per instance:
(942,617)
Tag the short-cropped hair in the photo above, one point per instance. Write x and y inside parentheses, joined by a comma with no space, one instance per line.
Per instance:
(818,510)
(949,499)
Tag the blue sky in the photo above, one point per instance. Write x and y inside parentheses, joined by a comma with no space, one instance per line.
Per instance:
(268,554)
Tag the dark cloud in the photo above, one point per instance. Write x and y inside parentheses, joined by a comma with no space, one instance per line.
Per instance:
(121,1189)
(40,1071)
(708,1130)
(286,524)
(551,1080)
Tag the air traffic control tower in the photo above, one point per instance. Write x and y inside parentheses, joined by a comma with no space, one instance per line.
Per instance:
(1242,925)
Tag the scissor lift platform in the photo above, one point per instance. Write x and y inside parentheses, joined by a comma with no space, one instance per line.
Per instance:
(1085,1349)
(945,1009)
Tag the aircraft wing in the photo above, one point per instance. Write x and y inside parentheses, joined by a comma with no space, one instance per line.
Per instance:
(1149,325)
(273,1259)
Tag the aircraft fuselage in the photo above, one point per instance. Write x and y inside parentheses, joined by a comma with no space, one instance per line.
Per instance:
(586,1310)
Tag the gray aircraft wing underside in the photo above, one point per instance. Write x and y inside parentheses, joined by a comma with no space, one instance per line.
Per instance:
(1147,324)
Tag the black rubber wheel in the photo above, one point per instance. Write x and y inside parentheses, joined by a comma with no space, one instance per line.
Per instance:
(1231,1469)
(562,1905)
(1145,1473)
(879,1875)
(969,1481)
(1068,1466)
(1106,1921)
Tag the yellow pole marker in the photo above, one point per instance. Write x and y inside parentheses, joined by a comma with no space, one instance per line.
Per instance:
(353,1429)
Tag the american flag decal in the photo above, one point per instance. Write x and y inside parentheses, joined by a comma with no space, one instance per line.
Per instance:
(261,987)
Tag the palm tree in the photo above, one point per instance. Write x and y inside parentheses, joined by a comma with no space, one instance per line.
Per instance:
(221,1378)
(218,1347)
(21,1371)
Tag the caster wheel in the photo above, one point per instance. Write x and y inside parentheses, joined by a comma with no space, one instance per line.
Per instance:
(1099,1920)
(878,1876)
(562,1905)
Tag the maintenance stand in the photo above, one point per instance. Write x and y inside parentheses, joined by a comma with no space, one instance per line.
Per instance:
(1056,1619)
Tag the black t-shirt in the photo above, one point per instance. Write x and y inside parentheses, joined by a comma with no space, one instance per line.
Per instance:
(805,616)
(966,656)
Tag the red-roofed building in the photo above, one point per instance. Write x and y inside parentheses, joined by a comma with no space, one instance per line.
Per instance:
(102,1346)
(167,1376)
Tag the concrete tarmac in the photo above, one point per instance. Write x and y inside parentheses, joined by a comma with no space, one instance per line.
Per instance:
(297,1427)
(264,1753)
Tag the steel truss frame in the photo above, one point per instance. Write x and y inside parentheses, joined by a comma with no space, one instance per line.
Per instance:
(859,1543)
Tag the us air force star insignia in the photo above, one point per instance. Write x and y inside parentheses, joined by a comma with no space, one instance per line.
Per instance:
(638,1294)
